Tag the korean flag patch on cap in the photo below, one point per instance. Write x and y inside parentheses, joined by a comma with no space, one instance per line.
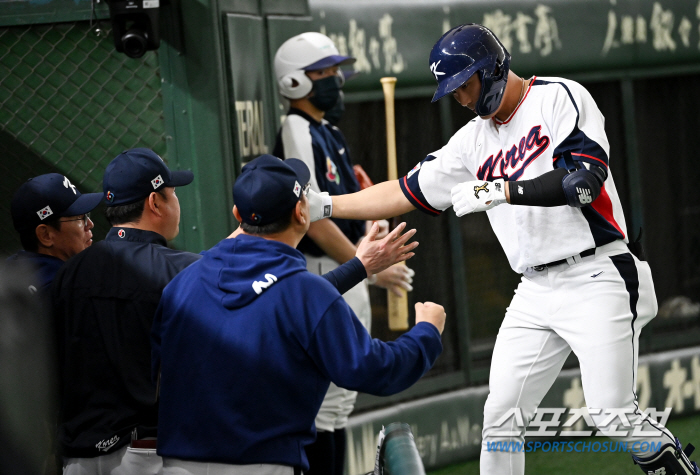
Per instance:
(156,182)
(297,188)
(44,213)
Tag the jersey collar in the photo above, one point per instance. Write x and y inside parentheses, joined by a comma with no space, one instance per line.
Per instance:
(295,111)
(118,233)
(512,114)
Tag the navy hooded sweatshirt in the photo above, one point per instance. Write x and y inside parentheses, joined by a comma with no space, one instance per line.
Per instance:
(44,266)
(247,342)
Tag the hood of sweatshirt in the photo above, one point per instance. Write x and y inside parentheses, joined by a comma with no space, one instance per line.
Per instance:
(250,265)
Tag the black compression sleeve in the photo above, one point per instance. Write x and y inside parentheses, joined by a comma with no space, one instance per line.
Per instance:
(347,276)
(545,190)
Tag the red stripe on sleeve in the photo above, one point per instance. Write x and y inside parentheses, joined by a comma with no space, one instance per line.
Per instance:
(603,205)
(591,157)
(405,183)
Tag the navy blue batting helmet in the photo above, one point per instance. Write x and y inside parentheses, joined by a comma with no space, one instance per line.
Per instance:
(465,50)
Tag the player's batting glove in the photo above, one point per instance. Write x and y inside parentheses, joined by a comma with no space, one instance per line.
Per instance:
(320,205)
(475,196)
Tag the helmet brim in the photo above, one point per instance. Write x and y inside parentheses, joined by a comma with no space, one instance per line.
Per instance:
(447,86)
(329,61)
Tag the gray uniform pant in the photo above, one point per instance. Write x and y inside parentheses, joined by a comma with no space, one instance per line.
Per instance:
(125,461)
(172,466)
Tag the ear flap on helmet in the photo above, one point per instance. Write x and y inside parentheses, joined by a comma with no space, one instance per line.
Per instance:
(295,85)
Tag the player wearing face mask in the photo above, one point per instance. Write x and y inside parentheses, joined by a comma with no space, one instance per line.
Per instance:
(308,76)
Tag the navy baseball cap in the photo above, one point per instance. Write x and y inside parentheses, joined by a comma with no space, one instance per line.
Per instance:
(134,174)
(49,195)
(268,188)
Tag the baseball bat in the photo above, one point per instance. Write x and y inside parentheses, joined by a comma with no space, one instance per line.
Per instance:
(397,307)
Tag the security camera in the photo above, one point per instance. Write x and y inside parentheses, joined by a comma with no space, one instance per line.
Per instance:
(135,26)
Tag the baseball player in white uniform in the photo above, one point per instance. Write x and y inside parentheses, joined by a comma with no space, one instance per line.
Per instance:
(536,160)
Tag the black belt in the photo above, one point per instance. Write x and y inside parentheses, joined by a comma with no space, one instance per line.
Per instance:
(144,444)
(541,267)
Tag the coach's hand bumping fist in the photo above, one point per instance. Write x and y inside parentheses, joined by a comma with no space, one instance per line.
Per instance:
(432,313)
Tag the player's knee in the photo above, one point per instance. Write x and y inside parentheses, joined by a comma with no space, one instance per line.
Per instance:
(505,422)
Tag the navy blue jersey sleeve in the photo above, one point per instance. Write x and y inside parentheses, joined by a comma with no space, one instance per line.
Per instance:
(347,276)
(579,126)
(412,190)
(346,354)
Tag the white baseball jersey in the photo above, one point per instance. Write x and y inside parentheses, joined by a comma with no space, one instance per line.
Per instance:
(554,116)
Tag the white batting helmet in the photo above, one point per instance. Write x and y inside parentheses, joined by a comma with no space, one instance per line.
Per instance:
(306,52)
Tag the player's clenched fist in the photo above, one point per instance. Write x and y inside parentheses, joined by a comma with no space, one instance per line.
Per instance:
(475,196)
(432,313)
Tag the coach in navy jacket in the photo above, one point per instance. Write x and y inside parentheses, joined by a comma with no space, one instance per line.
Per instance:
(246,340)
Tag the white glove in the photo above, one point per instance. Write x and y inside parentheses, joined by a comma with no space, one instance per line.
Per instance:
(475,196)
(320,205)
(394,278)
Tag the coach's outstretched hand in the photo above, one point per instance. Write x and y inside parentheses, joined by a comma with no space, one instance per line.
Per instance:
(377,255)
(432,313)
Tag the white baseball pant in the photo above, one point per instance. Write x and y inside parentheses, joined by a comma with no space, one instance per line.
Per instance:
(597,308)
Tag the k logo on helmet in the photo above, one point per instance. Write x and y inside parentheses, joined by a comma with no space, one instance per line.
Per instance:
(433,68)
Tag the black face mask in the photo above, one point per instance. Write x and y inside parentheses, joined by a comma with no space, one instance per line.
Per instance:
(326,93)
(336,112)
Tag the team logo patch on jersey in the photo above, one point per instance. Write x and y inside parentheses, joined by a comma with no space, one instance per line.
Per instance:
(44,213)
(332,171)
(121,233)
(260,285)
(156,182)
(414,170)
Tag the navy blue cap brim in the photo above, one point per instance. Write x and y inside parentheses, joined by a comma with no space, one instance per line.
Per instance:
(350,74)
(328,61)
(84,204)
(180,178)
(300,169)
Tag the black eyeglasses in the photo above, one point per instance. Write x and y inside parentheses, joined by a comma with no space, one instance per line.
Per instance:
(83,217)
